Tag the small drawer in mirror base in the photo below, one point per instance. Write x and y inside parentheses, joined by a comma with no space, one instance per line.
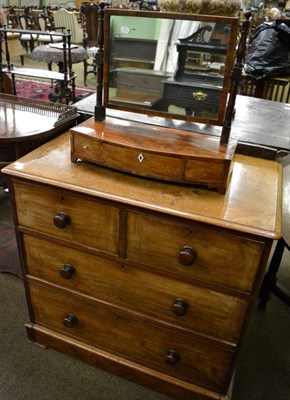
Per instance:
(154,152)
(125,368)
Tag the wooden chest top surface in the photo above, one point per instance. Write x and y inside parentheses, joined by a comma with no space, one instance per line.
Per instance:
(252,203)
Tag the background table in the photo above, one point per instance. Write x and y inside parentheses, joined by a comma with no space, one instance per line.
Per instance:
(51,54)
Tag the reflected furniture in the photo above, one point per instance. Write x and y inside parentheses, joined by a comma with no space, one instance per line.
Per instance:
(148,280)
(197,84)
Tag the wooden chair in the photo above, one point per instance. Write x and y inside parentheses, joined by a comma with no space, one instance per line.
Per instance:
(45,24)
(275,89)
(270,283)
(16,48)
(68,20)
(28,39)
(89,21)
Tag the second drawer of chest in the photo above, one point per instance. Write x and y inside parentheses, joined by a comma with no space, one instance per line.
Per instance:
(193,251)
(177,303)
(165,351)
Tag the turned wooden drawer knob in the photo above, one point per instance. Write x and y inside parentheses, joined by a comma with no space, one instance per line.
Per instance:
(187,255)
(70,320)
(172,357)
(179,307)
(67,271)
(61,220)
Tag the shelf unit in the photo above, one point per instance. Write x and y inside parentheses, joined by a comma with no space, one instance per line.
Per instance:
(65,78)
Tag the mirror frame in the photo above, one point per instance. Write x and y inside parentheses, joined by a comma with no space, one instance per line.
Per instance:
(233,22)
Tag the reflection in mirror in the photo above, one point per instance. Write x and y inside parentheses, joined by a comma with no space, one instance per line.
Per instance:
(157,64)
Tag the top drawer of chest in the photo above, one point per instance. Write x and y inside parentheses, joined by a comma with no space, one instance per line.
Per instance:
(58,213)
(193,251)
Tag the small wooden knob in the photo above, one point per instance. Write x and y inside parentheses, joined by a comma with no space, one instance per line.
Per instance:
(70,320)
(67,271)
(61,220)
(187,255)
(179,307)
(172,357)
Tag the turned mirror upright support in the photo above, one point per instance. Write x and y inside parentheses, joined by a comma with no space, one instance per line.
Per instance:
(235,80)
(100,112)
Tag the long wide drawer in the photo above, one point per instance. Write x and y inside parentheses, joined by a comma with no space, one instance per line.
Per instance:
(193,251)
(187,307)
(176,355)
(82,221)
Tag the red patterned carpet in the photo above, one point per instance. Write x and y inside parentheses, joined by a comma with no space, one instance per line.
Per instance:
(40,90)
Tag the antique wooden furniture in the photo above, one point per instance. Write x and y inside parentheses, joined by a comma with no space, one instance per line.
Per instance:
(65,77)
(53,53)
(89,20)
(26,124)
(275,88)
(154,152)
(145,150)
(155,30)
(152,281)
(271,283)
(66,19)
(198,80)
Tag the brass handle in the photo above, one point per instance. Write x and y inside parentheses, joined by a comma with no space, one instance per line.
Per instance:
(61,220)
(199,96)
(172,357)
(67,271)
(187,255)
(179,307)
(70,320)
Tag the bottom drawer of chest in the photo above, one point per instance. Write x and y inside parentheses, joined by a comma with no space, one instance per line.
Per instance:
(176,355)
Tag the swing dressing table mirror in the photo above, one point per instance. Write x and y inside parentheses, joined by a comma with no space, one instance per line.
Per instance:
(164,65)
(175,66)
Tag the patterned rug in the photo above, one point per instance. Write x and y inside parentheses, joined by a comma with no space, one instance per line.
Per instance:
(40,90)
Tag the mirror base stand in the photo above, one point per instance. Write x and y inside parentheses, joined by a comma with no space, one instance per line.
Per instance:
(164,154)
(100,113)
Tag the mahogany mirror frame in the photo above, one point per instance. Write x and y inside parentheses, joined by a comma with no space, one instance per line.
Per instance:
(232,22)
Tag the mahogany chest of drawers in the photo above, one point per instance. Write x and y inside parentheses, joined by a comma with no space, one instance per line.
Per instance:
(151,281)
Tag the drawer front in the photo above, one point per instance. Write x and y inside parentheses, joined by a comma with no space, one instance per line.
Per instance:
(179,356)
(193,252)
(197,93)
(89,149)
(198,171)
(142,163)
(82,221)
(178,303)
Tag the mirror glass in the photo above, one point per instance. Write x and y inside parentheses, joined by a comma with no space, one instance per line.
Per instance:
(170,65)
